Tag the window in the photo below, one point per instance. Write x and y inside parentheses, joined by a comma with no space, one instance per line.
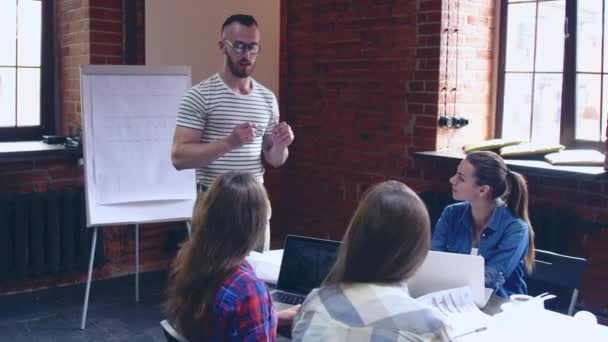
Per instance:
(26,69)
(553,72)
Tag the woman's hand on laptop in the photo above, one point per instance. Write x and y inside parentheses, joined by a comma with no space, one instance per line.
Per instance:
(286,316)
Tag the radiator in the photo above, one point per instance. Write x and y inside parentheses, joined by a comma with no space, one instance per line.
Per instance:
(44,233)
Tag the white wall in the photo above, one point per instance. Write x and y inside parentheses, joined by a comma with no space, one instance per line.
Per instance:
(186,32)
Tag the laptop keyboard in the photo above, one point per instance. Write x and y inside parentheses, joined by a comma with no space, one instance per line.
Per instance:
(287,298)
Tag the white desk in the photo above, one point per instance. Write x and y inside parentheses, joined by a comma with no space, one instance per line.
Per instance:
(511,325)
(537,325)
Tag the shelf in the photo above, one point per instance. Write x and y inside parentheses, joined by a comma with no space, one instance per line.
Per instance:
(32,150)
(528,166)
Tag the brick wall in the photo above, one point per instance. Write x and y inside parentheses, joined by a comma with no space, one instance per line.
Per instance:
(73,37)
(468,29)
(361,85)
(361,89)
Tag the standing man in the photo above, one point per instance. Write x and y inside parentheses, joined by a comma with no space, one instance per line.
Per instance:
(228,121)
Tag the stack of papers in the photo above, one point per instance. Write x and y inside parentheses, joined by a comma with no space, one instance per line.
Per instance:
(266,265)
(458,309)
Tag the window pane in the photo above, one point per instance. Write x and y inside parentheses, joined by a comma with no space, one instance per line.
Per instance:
(546,117)
(517,106)
(550,31)
(7,97)
(520,37)
(29,33)
(606,38)
(588,89)
(8,32)
(589,36)
(28,97)
(604,109)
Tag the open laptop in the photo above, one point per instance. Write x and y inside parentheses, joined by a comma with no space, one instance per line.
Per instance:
(444,271)
(306,262)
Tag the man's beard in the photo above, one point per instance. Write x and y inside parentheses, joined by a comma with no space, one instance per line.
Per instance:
(239,71)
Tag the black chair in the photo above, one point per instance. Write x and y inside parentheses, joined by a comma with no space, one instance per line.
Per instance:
(559,270)
(170,333)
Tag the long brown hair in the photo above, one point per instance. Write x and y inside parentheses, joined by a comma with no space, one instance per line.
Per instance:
(387,239)
(490,169)
(227,222)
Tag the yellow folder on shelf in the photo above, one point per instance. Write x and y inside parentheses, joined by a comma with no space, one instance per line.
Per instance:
(529,149)
(492,144)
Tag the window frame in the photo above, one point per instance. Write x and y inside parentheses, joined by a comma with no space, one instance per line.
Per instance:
(568,107)
(48,84)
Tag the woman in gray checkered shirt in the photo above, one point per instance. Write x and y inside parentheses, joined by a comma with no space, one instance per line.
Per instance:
(365,297)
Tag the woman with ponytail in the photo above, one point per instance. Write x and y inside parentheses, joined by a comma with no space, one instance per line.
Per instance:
(492,221)
(213,293)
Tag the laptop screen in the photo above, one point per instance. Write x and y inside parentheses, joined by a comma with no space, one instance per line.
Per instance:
(306,263)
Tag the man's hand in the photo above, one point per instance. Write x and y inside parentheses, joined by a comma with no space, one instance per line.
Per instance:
(282,135)
(242,134)
(286,316)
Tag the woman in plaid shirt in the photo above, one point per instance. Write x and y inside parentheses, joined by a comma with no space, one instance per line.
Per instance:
(214,294)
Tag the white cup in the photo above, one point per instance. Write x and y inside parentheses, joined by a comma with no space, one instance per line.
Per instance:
(586,316)
(522,299)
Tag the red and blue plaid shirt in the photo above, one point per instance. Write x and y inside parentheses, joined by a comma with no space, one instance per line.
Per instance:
(242,310)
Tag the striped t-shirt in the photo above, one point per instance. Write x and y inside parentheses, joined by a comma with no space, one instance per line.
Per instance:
(215,109)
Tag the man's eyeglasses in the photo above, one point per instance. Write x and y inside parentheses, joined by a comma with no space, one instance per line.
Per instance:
(240,48)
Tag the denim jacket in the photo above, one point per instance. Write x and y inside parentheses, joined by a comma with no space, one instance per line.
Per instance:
(503,244)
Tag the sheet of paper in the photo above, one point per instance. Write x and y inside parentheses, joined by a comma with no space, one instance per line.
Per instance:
(266,265)
(134,123)
(458,309)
